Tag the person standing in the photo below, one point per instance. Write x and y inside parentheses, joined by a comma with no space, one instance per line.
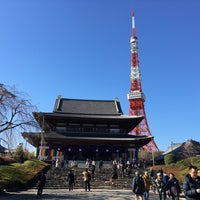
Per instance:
(86,179)
(87,163)
(71,180)
(41,183)
(100,165)
(147,185)
(65,164)
(173,187)
(191,184)
(123,167)
(57,163)
(93,167)
(138,186)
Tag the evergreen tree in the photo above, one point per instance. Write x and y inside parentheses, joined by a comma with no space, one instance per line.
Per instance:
(19,154)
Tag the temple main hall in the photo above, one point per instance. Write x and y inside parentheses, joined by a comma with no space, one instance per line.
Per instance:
(78,129)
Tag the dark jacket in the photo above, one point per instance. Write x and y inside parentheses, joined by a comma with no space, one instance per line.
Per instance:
(160,185)
(70,178)
(42,181)
(173,187)
(138,185)
(189,188)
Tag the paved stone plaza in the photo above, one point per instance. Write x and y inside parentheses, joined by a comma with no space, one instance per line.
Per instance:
(62,194)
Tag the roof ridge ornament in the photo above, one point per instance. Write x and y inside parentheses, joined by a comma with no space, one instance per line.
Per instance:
(58,102)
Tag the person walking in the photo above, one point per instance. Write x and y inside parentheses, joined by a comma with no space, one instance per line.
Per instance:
(147,185)
(173,187)
(114,174)
(191,184)
(165,179)
(70,180)
(138,186)
(152,176)
(161,186)
(41,184)
(86,179)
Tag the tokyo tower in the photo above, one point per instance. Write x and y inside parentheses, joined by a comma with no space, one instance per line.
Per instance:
(136,96)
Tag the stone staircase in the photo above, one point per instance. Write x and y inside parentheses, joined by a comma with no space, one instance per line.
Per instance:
(56,179)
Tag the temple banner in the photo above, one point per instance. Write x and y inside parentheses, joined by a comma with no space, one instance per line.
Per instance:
(131,154)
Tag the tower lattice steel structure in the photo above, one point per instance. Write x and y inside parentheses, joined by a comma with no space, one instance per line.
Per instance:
(136,96)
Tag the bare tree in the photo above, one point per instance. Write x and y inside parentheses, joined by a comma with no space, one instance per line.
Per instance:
(15,111)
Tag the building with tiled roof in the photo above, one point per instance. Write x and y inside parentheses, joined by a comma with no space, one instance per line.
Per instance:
(80,129)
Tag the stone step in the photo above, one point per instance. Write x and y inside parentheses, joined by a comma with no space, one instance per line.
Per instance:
(57,179)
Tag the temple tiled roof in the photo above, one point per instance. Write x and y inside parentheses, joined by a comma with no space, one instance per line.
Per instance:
(88,107)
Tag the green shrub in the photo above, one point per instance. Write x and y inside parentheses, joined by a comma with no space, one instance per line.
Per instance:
(170,159)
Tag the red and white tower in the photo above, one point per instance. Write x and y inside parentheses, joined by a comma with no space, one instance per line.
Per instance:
(136,96)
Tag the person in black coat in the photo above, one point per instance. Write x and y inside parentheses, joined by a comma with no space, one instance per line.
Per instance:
(138,186)
(41,183)
(71,179)
(191,184)
(173,187)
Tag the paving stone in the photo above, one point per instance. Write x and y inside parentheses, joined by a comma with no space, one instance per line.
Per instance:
(63,194)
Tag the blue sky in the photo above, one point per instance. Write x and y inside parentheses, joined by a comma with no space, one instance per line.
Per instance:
(80,49)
